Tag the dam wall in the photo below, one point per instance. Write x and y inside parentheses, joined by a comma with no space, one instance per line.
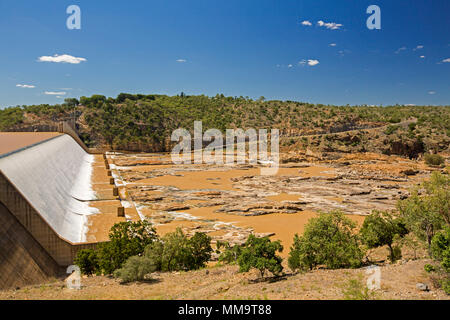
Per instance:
(45,189)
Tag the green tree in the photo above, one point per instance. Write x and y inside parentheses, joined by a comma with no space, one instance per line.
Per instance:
(228,253)
(177,252)
(127,239)
(87,261)
(427,210)
(261,254)
(328,240)
(382,228)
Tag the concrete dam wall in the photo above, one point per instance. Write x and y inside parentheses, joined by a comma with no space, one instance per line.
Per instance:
(44,193)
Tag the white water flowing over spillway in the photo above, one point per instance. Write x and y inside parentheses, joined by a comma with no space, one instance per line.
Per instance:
(55,178)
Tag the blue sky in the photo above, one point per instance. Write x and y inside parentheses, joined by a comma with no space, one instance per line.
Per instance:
(248,48)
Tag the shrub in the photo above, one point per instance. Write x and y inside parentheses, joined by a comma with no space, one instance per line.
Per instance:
(429,268)
(328,240)
(135,269)
(87,261)
(380,229)
(434,159)
(440,248)
(261,254)
(356,289)
(127,239)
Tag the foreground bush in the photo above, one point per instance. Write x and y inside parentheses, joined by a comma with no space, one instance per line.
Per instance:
(328,240)
(434,159)
(127,239)
(261,254)
(440,249)
(381,229)
(87,261)
(135,269)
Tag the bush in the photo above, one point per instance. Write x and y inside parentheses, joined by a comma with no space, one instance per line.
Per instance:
(429,268)
(135,269)
(127,239)
(177,252)
(440,248)
(260,253)
(87,261)
(434,159)
(328,240)
(380,229)
(356,289)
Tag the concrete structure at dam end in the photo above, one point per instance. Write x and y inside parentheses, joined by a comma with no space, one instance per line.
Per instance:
(51,185)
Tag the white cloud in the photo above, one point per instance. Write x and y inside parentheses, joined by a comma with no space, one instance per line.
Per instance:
(64,58)
(181,60)
(422,57)
(400,50)
(329,25)
(52,93)
(418,48)
(431,92)
(446,60)
(306,23)
(333,44)
(27,86)
(290,65)
(309,62)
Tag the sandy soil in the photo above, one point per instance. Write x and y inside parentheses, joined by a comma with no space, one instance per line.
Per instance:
(398,282)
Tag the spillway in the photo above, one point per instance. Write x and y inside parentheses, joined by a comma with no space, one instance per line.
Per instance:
(55,178)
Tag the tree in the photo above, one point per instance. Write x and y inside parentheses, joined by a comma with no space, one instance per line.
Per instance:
(200,250)
(127,239)
(380,229)
(87,261)
(260,253)
(427,210)
(328,240)
(177,252)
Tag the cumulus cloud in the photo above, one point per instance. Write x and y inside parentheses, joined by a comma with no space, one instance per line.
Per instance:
(329,25)
(312,62)
(306,23)
(418,48)
(333,44)
(181,60)
(53,93)
(309,62)
(422,57)
(431,92)
(446,60)
(290,65)
(27,86)
(64,58)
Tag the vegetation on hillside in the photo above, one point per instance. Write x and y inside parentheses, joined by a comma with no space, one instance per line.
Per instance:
(145,122)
